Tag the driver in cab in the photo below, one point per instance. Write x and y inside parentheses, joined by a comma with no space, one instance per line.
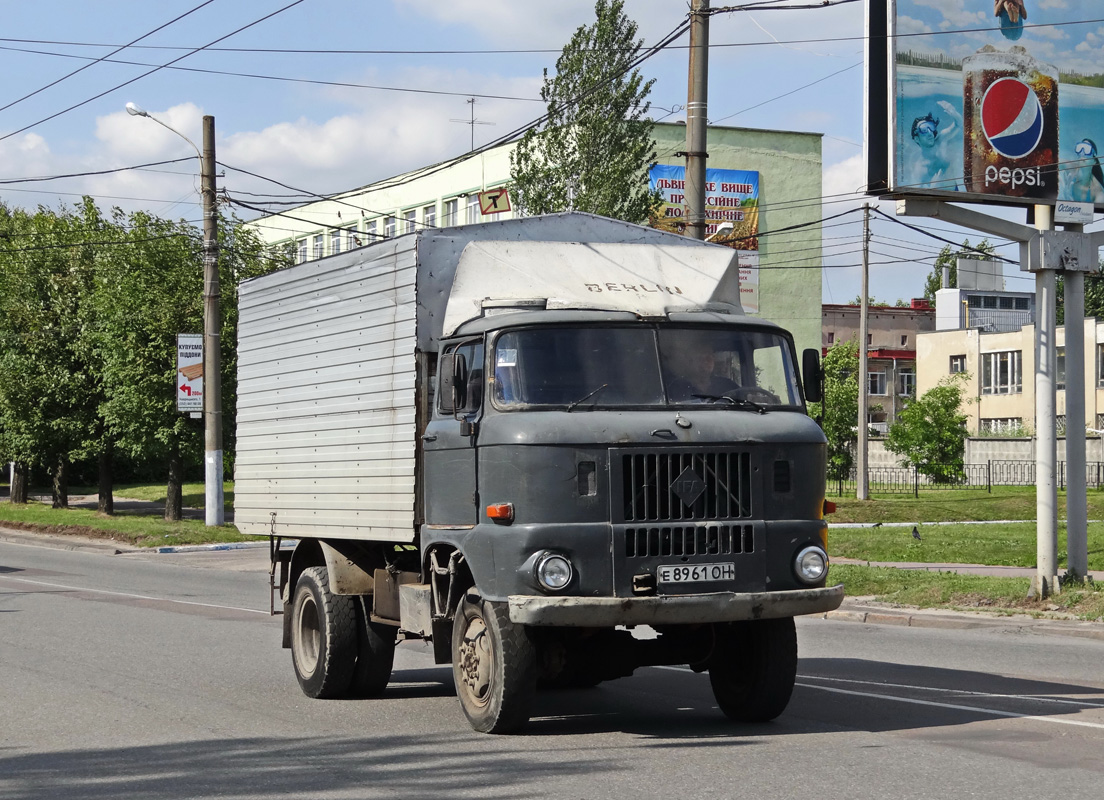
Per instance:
(693,377)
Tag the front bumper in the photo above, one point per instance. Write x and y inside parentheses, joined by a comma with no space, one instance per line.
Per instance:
(604,612)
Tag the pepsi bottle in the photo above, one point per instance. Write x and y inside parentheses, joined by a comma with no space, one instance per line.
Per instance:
(1010,121)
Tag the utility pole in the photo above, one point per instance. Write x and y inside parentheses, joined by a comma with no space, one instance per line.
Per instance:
(862,485)
(212,334)
(697,119)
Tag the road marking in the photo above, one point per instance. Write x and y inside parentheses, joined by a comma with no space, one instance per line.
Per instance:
(1032,698)
(933,704)
(953,706)
(131,596)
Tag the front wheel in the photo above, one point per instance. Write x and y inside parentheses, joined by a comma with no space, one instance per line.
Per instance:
(494,665)
(753,668)
(323,636)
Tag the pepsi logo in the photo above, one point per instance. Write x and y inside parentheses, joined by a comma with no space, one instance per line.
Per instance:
(1012,118)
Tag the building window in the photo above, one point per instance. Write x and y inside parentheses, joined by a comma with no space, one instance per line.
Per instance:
(869,339)
(429,216)
(958,364)
(876,382)
(1000,373)
(410,221)
(451,210)
(831,337)
(473,212)
(1002,425)
(1022,304)
(352,241)
(389,227)
(370,230)
(904,340)
(319,245)
(1060,424)
(974,301)
(301,255)
(335,241)
(1005,303)
(908,382)
(988,302)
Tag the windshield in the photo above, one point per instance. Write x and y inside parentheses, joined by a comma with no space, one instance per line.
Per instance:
(610,367)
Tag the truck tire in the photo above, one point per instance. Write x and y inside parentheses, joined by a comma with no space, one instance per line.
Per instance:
(494,664)
(753,668)
(375,652)
(323,636)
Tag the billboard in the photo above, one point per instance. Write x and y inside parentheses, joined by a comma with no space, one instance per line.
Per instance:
(731,216)
(189,373)
(995,101)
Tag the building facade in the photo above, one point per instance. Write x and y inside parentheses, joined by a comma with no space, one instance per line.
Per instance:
(998,371)
(890,351)
(786,278)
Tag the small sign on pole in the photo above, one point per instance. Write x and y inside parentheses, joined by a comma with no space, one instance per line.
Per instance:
(494,201)
(189,373)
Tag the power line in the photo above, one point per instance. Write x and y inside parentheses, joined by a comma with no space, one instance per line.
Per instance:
(150,72)
(105,58)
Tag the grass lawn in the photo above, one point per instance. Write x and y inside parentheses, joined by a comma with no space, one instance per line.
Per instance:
(964,592)
(954,505)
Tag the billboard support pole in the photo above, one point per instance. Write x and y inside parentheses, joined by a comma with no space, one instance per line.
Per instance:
(1077,508)
(1045,581)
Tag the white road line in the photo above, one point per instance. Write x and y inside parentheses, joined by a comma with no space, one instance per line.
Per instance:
(131,596)
(1032,698)
(933,704)
(954,707)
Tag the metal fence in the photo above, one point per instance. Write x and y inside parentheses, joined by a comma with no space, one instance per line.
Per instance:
(910,480)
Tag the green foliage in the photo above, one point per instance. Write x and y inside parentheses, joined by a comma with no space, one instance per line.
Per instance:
(89,312)
(949,258)
(930,432)
(594,152)
(840,408)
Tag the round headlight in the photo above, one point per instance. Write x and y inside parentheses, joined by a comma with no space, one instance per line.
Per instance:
(554,571)
(811,565)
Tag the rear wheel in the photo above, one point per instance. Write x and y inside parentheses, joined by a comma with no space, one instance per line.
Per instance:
(494,664)
(323,636)
(753,668)
(375,652)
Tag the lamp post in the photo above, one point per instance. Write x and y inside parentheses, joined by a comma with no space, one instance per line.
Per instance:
(212,381)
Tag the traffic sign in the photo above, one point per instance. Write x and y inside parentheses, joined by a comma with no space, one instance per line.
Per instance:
(494,201)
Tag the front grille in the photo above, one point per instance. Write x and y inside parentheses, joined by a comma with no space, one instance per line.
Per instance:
(689,540)
(677,485)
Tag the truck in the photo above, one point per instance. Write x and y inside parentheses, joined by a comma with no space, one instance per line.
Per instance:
(553,448)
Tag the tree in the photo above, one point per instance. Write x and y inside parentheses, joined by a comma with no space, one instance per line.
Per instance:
(594,151)
(840,407)
(949,258)
(930,432)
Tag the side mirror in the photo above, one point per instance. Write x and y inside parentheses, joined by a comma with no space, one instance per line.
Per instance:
(454,381)
(812,378)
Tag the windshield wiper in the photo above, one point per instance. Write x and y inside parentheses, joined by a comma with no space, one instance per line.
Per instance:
(739,402)
(571,406)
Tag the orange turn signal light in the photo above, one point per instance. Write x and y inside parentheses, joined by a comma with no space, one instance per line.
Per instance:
(501,512)
(829,507)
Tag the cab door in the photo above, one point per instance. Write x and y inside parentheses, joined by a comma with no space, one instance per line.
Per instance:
(449,442)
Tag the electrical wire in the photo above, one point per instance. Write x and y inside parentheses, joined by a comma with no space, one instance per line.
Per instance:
(150,72)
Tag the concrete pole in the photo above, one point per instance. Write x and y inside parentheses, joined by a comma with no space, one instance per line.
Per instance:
(212,330)
(1077,510)
(862,484)
(1045,581)
(697,119)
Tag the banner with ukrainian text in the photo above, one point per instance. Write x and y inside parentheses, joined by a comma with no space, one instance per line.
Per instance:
(731,198)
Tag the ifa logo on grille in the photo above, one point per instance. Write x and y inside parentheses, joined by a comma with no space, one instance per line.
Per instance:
(688,486)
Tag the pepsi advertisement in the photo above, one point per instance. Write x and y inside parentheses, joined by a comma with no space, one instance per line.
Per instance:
(996,101)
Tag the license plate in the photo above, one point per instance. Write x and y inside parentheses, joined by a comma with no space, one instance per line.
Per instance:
(692,573)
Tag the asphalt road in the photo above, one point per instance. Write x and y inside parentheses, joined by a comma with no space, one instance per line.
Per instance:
(161,676)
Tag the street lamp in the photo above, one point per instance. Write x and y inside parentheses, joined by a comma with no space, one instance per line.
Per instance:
(212,381)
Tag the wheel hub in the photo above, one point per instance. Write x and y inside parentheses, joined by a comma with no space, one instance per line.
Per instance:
(476,661)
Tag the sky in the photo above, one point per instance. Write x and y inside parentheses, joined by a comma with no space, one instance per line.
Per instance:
(382,88)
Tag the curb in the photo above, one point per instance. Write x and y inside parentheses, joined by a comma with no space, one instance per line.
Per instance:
(863,611)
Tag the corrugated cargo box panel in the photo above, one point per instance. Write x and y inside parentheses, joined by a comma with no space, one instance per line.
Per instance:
(326,420)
